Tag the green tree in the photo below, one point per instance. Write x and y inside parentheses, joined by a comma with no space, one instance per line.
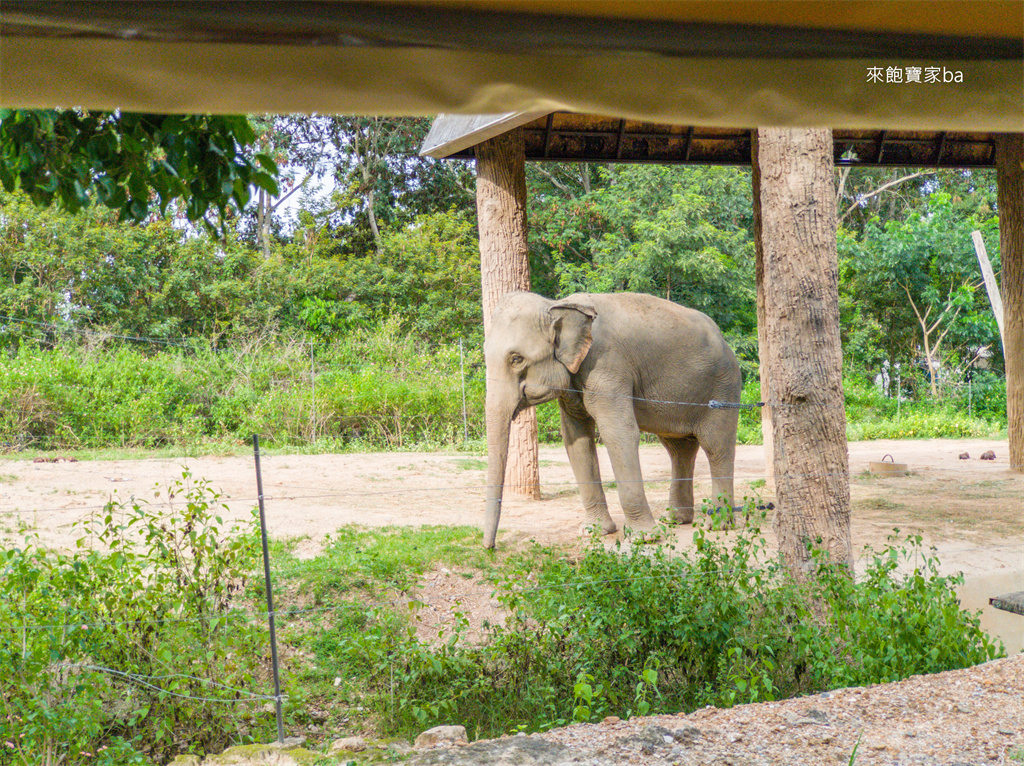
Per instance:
(89,271)
(887,194)
(683,233)
(126,161)
(899,274)
(427,276)
(379,178)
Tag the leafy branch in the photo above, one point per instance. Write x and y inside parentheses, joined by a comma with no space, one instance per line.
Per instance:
(128,161)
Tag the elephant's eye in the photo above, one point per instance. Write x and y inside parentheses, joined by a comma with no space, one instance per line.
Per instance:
(515,359)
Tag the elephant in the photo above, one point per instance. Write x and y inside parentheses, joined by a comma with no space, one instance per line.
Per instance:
(618,364)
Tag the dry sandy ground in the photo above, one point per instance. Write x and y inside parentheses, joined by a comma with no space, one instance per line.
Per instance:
(972,511)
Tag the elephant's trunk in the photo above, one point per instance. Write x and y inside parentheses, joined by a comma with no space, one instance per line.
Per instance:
(499,420)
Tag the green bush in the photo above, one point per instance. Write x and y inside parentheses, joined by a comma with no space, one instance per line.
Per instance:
(890,625)
(641,628)
(134,644)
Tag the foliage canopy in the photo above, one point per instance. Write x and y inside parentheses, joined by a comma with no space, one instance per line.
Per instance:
(124,159)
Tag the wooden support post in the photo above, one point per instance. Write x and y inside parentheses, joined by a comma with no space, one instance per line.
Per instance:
(798,314)
(762,323)
(505,267)
(1010,180)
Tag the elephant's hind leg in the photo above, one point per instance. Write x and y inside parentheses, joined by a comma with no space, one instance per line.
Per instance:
(682,450)
(722,461)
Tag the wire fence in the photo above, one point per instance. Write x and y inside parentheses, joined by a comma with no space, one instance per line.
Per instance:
(332,414)
(66,328)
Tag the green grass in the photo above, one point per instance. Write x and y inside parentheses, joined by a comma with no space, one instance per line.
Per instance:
(374,391)
(372,560)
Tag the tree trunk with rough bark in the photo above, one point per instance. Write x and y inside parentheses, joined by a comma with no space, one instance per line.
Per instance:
(505,267)
(798,305)
(1010,179)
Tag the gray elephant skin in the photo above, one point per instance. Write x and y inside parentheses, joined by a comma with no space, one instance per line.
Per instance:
(619,364)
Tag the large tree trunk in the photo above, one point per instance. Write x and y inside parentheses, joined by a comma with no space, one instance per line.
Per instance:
(505,267)
(1010,178)
(798,302)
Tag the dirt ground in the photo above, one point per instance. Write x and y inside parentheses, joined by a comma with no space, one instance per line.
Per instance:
(972,511)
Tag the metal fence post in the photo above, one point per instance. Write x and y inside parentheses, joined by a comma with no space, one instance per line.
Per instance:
(465,420)
(270,592)
(312,383)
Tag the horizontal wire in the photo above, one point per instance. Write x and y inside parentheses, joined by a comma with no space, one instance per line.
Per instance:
(713,404)
(85,625)
(140,681)
(177,342)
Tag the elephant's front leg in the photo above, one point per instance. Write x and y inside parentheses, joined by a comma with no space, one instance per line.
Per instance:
(621,436)
(581,445)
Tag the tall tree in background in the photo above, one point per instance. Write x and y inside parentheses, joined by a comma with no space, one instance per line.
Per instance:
(276,138)
(377,175)
(901,275)
(682,233)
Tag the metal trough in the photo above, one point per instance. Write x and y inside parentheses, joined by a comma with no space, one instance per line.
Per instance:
(890,468)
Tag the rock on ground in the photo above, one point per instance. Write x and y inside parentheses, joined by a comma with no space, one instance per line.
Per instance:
(514,751)
(442,735)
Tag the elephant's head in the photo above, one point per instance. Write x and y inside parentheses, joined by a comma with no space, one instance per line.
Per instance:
(532,347)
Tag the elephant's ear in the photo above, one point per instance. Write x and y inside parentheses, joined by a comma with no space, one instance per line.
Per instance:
(570,331)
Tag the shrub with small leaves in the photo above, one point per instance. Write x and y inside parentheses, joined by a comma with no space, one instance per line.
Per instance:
(136,643)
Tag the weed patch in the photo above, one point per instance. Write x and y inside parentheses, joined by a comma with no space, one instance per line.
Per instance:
(135,645)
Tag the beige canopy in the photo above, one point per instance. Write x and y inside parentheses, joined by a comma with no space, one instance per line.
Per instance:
(860,64)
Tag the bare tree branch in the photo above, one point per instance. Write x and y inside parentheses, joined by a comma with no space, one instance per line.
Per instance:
(864,197)
(554,181)
(843,175)
(931,349)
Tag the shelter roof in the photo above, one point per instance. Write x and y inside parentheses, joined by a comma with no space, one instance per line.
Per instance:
(570,137)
